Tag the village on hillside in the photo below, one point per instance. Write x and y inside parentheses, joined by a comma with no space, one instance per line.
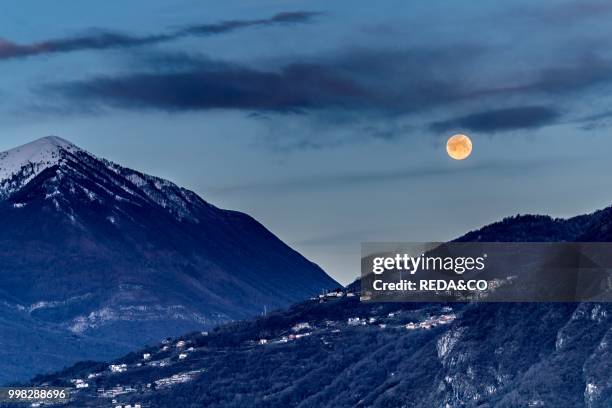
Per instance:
(181,360)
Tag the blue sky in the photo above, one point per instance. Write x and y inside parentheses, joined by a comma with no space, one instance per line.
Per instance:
(326,121)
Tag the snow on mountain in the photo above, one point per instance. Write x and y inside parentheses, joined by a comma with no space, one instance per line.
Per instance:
(30,160)
(18,166)
(41,152)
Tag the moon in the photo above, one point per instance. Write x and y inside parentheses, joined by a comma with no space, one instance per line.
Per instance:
(459,146)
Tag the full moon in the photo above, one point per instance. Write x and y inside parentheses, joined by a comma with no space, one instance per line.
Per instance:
(459,147)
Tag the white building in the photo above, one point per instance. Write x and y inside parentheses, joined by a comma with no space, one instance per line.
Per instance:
(118,368)
(300,326)
(78,383)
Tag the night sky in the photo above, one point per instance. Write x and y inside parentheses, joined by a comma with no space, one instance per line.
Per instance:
(326,121)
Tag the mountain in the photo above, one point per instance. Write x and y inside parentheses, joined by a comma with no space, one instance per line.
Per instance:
(335,351)
(97,259)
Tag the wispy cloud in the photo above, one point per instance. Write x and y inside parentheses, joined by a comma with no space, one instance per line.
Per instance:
(377,177)
(583,72)
(573,11)
(109,39)
(595,121)
(495,120)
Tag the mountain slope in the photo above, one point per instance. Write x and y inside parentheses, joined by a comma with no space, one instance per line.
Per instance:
(316,354)
(488,355)
(99,251)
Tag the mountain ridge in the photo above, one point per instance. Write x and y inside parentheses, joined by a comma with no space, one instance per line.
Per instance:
(112,255)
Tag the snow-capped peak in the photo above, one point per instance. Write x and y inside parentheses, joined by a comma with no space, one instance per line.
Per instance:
(20,165)
(40,154)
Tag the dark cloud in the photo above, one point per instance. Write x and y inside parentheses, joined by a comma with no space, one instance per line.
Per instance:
(387,82)
(232,25)
(500,119)
(221,86)
(107,39)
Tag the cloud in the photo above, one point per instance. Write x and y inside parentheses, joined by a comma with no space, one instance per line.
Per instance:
(595,121)
(295,17)
(108,39)
(389,82)
(500,119)
(585,71)
(394,88)
(214,85)
(573,12)
(336,181)
(382,94)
